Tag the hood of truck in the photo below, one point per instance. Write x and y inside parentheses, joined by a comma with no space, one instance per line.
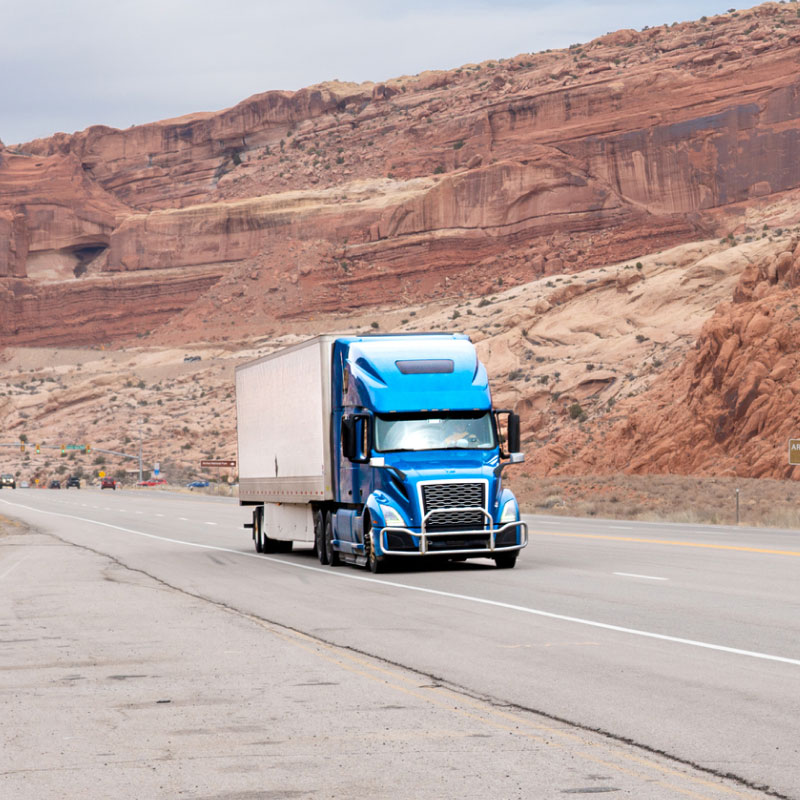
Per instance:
(445,464)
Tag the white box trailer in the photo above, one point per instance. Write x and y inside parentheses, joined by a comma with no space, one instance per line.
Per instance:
(283,409)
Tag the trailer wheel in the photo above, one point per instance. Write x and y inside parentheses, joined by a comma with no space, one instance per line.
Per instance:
(258,524)
(506,560)
(319,537)
(333,557)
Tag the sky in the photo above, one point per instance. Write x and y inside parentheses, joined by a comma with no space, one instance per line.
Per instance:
(68,64)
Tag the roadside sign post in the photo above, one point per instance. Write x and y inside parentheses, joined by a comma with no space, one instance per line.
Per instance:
(794,451)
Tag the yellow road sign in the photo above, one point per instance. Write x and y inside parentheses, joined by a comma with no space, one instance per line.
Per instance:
(101,474)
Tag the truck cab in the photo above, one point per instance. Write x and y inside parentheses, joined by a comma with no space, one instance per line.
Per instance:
(418,453)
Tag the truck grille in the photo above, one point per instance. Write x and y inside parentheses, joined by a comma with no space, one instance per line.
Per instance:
(454,495)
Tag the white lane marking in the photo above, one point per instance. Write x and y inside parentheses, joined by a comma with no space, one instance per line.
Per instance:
(159,515)
(183,519)
(619,527)
(424,590)
(634,575)
(12,567)
(211,523)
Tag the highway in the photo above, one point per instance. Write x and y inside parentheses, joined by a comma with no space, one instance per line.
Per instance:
(648,660)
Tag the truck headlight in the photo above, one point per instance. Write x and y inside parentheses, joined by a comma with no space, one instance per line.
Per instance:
(392,517)
(510,512)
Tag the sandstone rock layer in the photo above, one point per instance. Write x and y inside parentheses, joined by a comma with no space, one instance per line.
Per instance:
(540,164)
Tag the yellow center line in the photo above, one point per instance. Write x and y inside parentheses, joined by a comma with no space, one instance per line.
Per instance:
(669,542)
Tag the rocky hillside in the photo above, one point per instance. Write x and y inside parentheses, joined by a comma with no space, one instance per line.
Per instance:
(626,367)
(615,225)
(731,407)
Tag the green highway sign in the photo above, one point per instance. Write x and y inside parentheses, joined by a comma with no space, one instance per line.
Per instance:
(76,447)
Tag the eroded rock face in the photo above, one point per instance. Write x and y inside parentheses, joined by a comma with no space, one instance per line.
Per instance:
(443,182)
(732,406)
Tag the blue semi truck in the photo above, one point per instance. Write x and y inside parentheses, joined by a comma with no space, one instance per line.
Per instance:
(377,448)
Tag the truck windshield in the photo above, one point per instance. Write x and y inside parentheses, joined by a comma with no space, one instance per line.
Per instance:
(454,430)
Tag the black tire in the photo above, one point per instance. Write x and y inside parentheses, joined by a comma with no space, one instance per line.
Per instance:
(258,524)
(332,555)
(319,537)
(506,560)
(376,565)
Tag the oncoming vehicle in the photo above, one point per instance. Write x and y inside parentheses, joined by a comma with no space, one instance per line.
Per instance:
(108,483)
(8,480)
(376,449)
(73,482)
(197,485)
(54,484)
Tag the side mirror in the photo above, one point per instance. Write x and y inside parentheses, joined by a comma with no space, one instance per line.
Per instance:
(512,437)
(348,438)
(514,441)
(357,438)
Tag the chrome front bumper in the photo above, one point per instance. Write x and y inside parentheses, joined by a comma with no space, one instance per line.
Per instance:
(424,535)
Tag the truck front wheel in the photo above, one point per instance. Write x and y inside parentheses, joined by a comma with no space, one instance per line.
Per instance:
(375,563)
(506,560)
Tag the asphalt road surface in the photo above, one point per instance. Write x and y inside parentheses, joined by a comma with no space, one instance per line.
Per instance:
(146,650)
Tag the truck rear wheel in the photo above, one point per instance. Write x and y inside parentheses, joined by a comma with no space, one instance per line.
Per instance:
(330,554)
(319,536)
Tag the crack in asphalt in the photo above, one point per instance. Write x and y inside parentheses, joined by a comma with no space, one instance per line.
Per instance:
(438,680)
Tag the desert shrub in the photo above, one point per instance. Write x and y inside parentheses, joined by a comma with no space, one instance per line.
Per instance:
(576,412)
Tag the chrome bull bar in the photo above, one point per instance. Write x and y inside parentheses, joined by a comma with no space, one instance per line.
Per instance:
(424,534)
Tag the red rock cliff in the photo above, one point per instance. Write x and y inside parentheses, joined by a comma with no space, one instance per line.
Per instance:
(543,163)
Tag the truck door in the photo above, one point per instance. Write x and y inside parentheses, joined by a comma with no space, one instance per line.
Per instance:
(355,474)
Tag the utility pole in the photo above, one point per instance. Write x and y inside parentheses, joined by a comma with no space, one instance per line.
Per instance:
(140,449)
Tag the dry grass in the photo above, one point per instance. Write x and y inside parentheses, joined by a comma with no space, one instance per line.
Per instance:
(670,498)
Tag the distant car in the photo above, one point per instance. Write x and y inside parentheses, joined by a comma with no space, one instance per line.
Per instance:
(108,483)
(197,485)
(7,479)
(54,484)
(73,481)
(158,482)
